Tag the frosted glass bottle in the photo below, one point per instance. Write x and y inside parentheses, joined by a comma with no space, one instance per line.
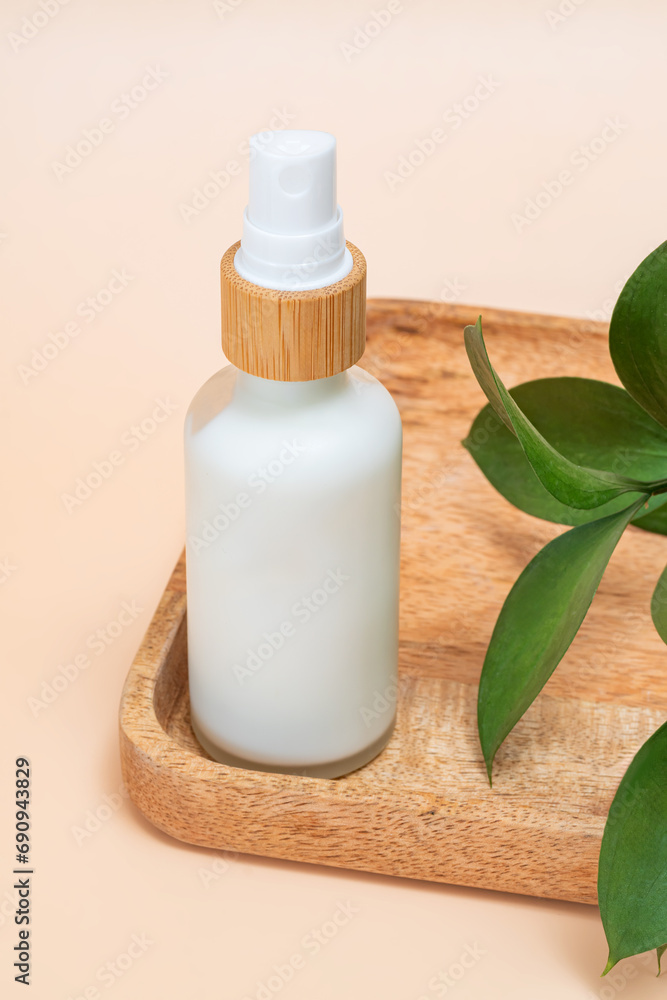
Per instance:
(293,491)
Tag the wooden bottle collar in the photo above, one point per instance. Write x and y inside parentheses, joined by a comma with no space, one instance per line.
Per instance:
(293,336)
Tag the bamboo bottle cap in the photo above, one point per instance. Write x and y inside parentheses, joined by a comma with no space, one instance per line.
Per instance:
(293,336)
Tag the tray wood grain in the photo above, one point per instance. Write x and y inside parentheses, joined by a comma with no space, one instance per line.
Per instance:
(423,808)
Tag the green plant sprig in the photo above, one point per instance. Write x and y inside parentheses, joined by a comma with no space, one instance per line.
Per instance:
(594,456)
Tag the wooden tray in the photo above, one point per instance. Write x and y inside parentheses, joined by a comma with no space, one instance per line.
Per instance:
(423,808)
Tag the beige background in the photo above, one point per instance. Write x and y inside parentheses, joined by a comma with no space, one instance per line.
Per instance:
(446,230)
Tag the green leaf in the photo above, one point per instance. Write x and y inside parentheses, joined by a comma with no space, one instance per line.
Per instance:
(638,334)
(574,485)
(632,877)
(589,422)
(659,953)
(659,606)
(539,620)
(655,521)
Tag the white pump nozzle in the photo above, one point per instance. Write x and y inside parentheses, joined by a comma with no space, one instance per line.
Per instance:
(292,226)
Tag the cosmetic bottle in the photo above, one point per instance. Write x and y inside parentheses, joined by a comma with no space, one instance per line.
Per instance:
(293,475)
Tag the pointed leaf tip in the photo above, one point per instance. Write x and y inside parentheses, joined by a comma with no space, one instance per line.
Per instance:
(608,967)
(574,485)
